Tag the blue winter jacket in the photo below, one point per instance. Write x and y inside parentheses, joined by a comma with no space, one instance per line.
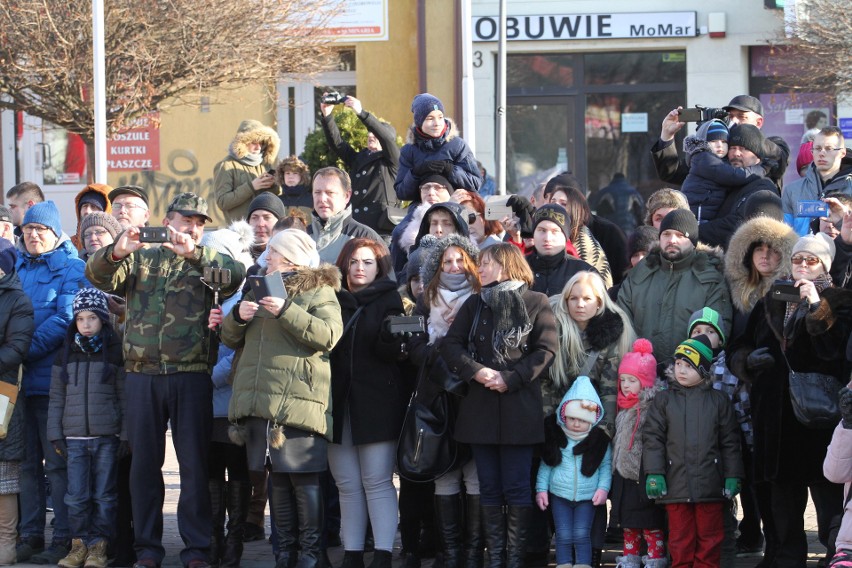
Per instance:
(565,479)
(222,389)
(50,280)
(811,187)
(420,149)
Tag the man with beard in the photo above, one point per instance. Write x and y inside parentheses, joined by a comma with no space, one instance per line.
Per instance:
(673,281)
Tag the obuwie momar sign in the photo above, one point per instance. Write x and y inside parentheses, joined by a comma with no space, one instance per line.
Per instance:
(587,26)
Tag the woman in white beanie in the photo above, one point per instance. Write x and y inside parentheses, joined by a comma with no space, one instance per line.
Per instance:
(807,336)
(282,388)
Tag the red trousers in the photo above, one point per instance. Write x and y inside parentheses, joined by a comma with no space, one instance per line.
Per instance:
(695,534)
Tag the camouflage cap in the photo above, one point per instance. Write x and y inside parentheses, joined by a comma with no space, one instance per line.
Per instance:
(189,204)
(5,214)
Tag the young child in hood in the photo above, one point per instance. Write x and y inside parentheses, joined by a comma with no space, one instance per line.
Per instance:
(570,480)
(711,177)
(631,508)
(691,456)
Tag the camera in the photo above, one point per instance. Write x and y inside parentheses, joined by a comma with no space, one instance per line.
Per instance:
(153,235)
(701,114)
(333,98)
(406,324)
(785,291)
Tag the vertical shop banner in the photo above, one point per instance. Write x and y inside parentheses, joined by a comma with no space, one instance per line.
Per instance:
(359,20)
(137,147)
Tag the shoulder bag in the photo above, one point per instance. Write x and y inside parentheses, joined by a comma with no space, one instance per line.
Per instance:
(815,398)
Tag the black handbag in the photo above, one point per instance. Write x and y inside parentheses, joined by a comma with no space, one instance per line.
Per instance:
(815,398)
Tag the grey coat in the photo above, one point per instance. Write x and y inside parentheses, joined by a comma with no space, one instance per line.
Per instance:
(16,331)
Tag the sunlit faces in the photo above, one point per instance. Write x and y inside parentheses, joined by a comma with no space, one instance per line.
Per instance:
(88,323)
(275,261)
(291,178)
(363,269)
(39,239)
(261,222)
(192,225)
(828,153)
(659,215)
(709,331)
(739,157)
(88,208)
(576,425)
(806,266)
(718,147)
(373,144)
(477,228)
(433,193)
(416,285)
(582,303)
(637,256)
(95,238)
(548,238)
(130,211)
(441,223)
(559,198)
(674,245)
(329,196)
(18,205)
(829,229)
(685,374)
(433,125)
(254,147)
(490,270)
(629,384)
(736,116)
(453,261)
(765,259)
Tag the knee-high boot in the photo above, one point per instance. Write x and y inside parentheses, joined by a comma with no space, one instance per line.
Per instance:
(282,503)
(238,499)
(473,557)
(217,503)
(310,506)
(8,533)
(517,529)
(448,518)
(494,528)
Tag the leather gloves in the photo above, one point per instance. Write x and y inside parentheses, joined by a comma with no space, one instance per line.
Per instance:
(655,486)
(433,167)
(524,210)
(760,360)
(732,487)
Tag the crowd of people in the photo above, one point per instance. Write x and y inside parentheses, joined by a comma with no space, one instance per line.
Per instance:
(595,385)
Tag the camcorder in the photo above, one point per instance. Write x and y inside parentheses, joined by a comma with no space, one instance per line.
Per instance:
(334,98)
(701,114)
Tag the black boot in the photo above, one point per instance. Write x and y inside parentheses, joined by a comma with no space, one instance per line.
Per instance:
(494,528)
(310,508)
(217,503)
(238,499)
(517,529)
(448,519)
(381,559)
(353,559)
(473,557)
(282,506)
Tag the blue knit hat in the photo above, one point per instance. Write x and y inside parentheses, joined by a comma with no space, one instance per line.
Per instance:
(423,104)
(44,213)
(8,256)
(717,131)
(91,300)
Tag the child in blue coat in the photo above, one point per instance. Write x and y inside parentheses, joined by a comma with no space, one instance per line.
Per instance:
(575,484)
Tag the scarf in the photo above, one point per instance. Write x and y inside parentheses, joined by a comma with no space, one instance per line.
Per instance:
(511,320)
(452,293)
(625,402)
(251,160)
(426,142)
(576,436)
(821,282)
(88,344)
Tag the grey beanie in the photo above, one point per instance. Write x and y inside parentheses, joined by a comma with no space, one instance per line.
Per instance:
(433,250)
(268,202)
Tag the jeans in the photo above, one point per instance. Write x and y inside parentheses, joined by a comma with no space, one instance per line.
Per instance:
(37,448)
(573,522)
(504,474)
(92,494)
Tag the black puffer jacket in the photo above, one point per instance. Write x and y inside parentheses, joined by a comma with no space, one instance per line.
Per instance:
(553,272)
(87,390)
(365,375)
(691,436)
(16,331)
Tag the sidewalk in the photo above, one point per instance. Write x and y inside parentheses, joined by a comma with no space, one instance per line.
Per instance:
(259,554)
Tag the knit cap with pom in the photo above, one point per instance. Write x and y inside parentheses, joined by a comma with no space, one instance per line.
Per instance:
(235,241)
(640,363)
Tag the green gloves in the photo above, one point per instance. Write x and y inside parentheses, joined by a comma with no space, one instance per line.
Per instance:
(732,487)
(655,486)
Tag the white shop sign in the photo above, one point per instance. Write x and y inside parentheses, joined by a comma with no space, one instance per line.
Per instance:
(588,26)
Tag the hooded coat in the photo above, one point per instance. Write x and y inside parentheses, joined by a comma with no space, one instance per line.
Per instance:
(16,331)
(232,177)
(284,374)
(565,480)
(98,188)
(448,147)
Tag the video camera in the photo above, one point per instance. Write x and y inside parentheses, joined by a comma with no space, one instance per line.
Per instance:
(701,114)
(333,98)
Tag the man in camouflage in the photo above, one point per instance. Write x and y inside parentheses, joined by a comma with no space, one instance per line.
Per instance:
(168,361)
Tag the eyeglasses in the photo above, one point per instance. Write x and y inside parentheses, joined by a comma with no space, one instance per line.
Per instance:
(809,260)
(94,233)
(30,229)
(128,206)
(827,150)
(427,187)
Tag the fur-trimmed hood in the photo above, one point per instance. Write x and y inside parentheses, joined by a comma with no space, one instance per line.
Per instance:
(306,279)
(604,330)
(255,131)
(433,251)
(777,235)
(412,228)
(694,144)
(452,132)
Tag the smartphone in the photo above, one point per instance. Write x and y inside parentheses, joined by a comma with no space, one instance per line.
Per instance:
(270,285)
(406,324)
(812,208)
(153,235)
(690,115)
(494,212)
(784,291)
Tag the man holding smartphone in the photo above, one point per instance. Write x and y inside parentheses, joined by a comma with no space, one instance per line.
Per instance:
(168,364)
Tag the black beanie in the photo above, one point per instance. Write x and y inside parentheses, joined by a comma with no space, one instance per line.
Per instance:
(555,214)
(268,202)
(763,203)
(681,220)
(747,136)
(643,238)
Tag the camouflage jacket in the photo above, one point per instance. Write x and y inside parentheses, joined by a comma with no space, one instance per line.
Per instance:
(167,306)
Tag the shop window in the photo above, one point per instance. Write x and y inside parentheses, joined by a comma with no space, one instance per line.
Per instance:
(635,68)
(545,73)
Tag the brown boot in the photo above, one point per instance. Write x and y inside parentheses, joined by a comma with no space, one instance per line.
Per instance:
(8,532)
(97,556)
(77,557)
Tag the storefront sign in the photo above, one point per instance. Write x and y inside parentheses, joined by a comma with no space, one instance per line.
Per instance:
(588,26)
(359,20)
(136,148)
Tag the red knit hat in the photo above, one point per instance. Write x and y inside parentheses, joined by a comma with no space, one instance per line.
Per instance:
(805,157)
(640,363)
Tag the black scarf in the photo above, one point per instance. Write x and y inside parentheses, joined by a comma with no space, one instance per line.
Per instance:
(511,319)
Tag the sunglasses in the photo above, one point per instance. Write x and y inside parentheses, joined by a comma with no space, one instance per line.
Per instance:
(809,260)
(471,218)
